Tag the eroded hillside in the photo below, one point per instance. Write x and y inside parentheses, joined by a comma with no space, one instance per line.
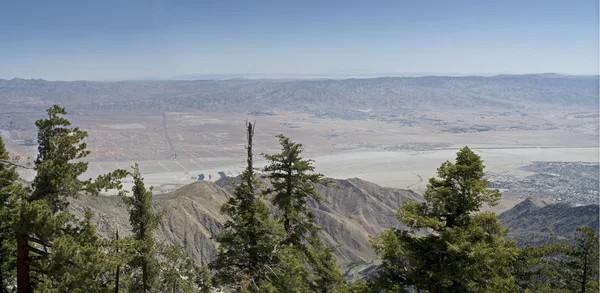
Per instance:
(350,211)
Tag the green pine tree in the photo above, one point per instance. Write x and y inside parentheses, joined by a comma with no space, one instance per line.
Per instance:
(80,262)
(144,222)
(249,246)
(152,267)
(42,213)
(292,179)
(462,249)
(291,274)
(10,193)
(360,286)
(121,250)
(559,268)
(583,263)
(59,166)
(179,273)
(537,270)
(325,274)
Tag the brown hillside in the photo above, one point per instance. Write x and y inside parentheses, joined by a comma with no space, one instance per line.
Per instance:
(350,211)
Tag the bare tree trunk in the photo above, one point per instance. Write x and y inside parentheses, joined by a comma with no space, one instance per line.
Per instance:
(585,272)
(118,273)
(1,273)
(253,239)
(250,176)
(23,284)
(288,179)
(145,277)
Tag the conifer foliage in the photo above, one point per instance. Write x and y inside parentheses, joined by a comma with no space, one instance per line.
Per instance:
(144,222)
(462,250)
(42,212)
(151,266)
(582,263)
(249,247)
(558,268)
(292,179)
(10,193)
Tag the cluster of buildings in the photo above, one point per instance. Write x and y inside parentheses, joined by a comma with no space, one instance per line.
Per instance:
(571,182)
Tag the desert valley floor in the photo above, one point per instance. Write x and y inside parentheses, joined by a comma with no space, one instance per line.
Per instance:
(177,148)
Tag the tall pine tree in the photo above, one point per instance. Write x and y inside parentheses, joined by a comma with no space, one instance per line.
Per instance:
(583,263)
(149,265)
(42,213)
(292,179)
(248,247)
(558,268)
(10,193)
(144,222)
(462,250)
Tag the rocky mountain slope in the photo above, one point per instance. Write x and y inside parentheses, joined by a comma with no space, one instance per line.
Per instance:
(534,222)
(349,212)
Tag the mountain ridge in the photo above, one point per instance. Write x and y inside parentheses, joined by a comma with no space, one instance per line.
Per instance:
(535,222)
(348,214)
(307,76)
(382,94)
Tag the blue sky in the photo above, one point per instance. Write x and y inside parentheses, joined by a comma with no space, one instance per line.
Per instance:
(108,40)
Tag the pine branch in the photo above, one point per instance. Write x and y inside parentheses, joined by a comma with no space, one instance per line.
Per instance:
(15,164)
(38,241)
(40,252)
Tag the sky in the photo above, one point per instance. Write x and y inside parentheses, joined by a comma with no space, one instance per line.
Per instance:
(132,39)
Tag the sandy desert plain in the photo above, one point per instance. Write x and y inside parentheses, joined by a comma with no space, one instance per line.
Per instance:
(174,148)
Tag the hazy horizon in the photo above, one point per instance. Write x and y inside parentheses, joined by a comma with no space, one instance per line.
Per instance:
(125,40)
(295,76)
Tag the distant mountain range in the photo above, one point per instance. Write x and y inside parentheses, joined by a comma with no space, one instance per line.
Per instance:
(388,94)
(331,75)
